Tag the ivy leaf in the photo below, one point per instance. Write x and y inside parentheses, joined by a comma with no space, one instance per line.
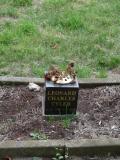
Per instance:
(61,158)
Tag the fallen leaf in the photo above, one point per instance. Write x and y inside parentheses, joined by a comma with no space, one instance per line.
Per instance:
(55,46)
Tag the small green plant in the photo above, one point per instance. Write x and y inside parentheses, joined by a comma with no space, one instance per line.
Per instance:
(3,2)
(26,27)
(38,71)
(9,11)
(109,62)
(2,64)
(51,119)
(114,62)
(55,3)
(3,73)
(7,37)
(22,2)
(38,136)
(84,72)
(102,74)
(69,19)
(60,154)
(66,121)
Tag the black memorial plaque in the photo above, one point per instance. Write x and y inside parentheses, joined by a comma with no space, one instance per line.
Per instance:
(60,99)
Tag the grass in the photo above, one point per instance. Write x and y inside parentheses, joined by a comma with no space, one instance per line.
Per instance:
(22,2)
(56,32)
(66,121)
(102,74)
(9,11)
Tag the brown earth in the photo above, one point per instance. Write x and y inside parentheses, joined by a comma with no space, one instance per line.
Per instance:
(21,114)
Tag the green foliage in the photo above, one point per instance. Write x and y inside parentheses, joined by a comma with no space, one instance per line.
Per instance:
(69,19)
(51,119)
(27,27)
(55,3)
(114,62)
(66,121)
(9,11)
(2,64)
(5,2)
(6,37)
(83,72)
(38,136)
(109,62)
(13,33)
(102,74)
(60,154)
(56,32)
(22,2)
(38,71)
(3,73)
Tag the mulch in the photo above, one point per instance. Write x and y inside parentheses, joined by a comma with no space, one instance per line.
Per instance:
(21,114)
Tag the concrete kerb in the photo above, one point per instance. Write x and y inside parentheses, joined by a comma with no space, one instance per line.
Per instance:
(20,80)
(93,146)
(46,148)
(83,82)
(30,148)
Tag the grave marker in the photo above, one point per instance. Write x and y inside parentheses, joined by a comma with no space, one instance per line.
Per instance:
(61,99)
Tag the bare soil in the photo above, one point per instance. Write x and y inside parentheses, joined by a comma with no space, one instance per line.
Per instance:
(21,114)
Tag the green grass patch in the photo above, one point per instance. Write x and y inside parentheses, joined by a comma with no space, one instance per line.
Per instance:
(2,64)
(55,3)
(8,11)
(7,37)
(2,2)
(58,31)
(26,27)
(18,32)
(69,19)
(102,74)
(67,120)
(38,71)
(84,72)
(109,62)
(22,2)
